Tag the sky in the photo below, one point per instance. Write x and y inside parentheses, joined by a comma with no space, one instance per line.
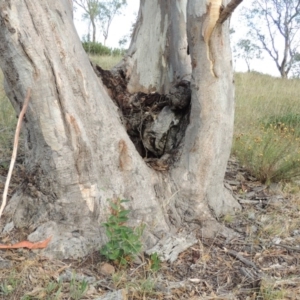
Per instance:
(265,65)
(122,24)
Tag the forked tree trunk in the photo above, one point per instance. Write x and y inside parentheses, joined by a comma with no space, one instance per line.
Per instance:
(78,153)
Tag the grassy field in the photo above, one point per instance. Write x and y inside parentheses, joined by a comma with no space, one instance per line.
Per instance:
(267,126)
(8,122)
(261,96)
(106,62)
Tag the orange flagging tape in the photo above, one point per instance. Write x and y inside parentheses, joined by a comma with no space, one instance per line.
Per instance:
(27,244)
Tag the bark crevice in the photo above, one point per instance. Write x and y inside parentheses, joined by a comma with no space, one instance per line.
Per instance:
(155,123)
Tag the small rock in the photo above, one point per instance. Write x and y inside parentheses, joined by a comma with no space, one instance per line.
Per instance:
(253,229)
(296,232)
(265,218)
(228,186)
(242,201)
(276,240)
(259,188)
(116,295)
(275,187)
(5,264)
(250,194)
(91,291)
(137,260)
(70,275)
(233,182)
(276,201)
(240,177)
(195,280)
(251,215)
(8,227)
(107,269)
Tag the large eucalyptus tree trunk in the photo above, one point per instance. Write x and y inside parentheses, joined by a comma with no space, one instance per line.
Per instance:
(78,153)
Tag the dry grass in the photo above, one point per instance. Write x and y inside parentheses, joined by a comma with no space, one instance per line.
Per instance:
(259,97)
(270,153)
(203,272)
(269,235)
(8,123)
(267,126)
(106,62)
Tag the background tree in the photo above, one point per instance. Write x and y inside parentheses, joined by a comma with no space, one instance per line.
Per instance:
(108,10)
(247,51)
(296,68)
(79,147)
(275,25)
(126,38)
(91,12)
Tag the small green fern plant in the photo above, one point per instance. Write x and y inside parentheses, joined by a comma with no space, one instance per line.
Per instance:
(124,242)
(155,262)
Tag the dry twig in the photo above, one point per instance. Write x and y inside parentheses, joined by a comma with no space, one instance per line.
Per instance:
(241,258)
(288,247)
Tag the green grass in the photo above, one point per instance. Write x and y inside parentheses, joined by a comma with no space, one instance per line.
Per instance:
(8,286)
(268,292)
(289,120)
(8,123)
(270,154)
(259,97)
(267,126)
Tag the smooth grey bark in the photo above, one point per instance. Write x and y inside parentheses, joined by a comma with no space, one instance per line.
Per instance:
(78,154)
(157,57)
(209,136)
